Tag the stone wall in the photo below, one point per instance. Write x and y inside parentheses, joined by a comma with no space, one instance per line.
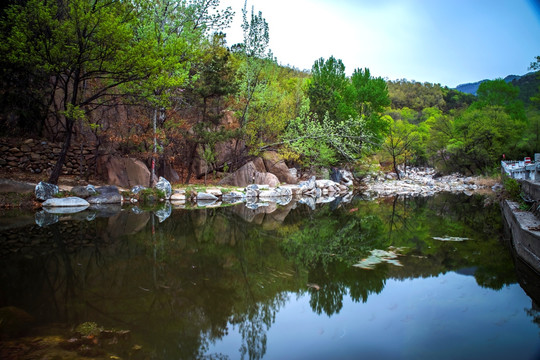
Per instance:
(525,232)
(530,189)
(37,156)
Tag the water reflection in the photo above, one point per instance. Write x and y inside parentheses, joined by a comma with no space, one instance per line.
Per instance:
(179,279)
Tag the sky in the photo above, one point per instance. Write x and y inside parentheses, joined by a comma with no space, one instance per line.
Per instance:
(449,42)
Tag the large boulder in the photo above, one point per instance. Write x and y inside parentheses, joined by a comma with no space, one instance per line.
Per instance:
(106,195)
(84,191)
(45,191)
(123,172)
(253,172)
(266,179)
(168,172)
(276,165)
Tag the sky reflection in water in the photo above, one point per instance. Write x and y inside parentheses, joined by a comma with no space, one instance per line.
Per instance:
(281,282)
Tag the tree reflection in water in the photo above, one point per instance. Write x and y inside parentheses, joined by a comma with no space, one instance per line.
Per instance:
(180,283)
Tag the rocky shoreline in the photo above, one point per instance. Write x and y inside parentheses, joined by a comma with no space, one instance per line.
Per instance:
(416,182)
(427,182)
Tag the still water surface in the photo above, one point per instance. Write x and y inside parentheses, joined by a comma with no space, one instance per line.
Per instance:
(390,278)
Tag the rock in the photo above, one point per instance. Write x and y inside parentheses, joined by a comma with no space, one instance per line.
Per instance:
(308,185)
(214,191)
(267,179)
(65,210)
(250,174)
(164,213)
(294,173)
(347,177)
(252,192)
(335,175)
(274,164)
(45,191)
(178,196)
(233,196)
(124,172)
(206,202)
(44,218)
(104,210)
(325,184)
(309,201)
(72,201)
(164,186)
(7,185)
(295,189)
(497,187)
(137,189)
(206,196)
(84,191)
(170,173)
(106,195)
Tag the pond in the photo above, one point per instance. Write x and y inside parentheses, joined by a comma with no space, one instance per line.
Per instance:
(391,278)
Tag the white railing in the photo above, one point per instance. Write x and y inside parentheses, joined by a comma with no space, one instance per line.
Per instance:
(521,169)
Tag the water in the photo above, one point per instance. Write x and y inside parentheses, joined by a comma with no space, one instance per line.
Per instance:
(393,278)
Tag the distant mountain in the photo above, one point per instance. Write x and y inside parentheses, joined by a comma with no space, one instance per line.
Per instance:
(472,88)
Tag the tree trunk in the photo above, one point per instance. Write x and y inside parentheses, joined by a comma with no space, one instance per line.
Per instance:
(57,169)
(395,167)
(190,163)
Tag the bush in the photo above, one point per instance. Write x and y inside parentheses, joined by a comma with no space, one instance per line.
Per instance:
(513,188)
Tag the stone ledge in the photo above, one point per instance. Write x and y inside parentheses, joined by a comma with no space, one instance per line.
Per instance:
(525,230)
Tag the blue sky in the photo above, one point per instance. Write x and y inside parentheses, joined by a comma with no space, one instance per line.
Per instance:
(448,42)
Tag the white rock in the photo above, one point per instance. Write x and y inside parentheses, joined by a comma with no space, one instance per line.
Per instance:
(66,202)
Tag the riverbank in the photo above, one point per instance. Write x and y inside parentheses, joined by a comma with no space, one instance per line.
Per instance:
(427,182)
(17,193)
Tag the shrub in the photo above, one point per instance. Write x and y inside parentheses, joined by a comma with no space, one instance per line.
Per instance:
(513,188)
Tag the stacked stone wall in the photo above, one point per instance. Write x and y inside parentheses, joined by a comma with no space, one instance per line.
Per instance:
(37,156)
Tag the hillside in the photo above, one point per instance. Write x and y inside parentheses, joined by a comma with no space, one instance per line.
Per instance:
(528,84)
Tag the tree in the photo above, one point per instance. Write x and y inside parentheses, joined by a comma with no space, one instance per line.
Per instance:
(481,137)
(177,31)
(253,51)
(327,89)
(207,99)
(399,142)
(86,49)
(274,106)
(369,97)
(325,143)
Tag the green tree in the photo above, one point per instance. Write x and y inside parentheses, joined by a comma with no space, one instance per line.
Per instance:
(86,49)
(481,136)
(327,89)
(254,53)
(207,99)
(328,142)
(274,106)
(369,97)
(399,142)
(178,31)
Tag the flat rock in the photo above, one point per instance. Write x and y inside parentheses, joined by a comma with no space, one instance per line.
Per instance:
(206,196)
(72,201)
